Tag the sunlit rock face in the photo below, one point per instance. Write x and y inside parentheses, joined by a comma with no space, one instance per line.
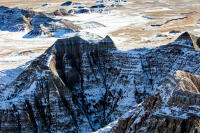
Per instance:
(79,86)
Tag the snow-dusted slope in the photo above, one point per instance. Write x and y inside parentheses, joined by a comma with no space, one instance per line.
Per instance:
(80,86)
(174,104)
(85,78)
(36,24)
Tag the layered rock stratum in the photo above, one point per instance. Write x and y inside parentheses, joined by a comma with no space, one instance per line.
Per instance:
(80,86)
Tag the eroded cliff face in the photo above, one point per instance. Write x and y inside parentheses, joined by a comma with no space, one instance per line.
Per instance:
(173,105)
(78,86)
(179,115)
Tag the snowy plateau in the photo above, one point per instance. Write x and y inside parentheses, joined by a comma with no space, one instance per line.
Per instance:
(105,66)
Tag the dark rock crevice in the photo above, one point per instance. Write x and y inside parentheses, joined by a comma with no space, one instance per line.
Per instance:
(17,116)
(29,109)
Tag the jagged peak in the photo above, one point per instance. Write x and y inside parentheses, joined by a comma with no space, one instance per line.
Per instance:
(75,40)
(189,39)
(107,42)
(184,39)
(185,35)
(107,39)
(79,41)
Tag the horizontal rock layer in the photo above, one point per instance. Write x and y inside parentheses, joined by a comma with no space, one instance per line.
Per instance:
(78,86)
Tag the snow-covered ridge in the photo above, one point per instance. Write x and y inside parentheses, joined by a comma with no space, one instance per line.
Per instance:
(175,99)
(35,23)
(88,85)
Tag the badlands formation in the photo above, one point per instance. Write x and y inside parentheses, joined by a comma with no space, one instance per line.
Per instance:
(106,66)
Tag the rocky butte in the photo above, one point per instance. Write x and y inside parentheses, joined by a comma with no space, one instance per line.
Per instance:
(36,23)
(79,86)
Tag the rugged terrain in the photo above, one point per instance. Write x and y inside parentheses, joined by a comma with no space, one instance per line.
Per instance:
(143,77)
(131,24)
(78,86)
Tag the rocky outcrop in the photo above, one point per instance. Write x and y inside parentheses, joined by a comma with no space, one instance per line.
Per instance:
(68,3)
(77,8)
(46,26)
(173,106)
(189,81)
(76,82)
(79,86)
(36,23)
(180,114)
(154,116)
(14,19)
(60,12)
